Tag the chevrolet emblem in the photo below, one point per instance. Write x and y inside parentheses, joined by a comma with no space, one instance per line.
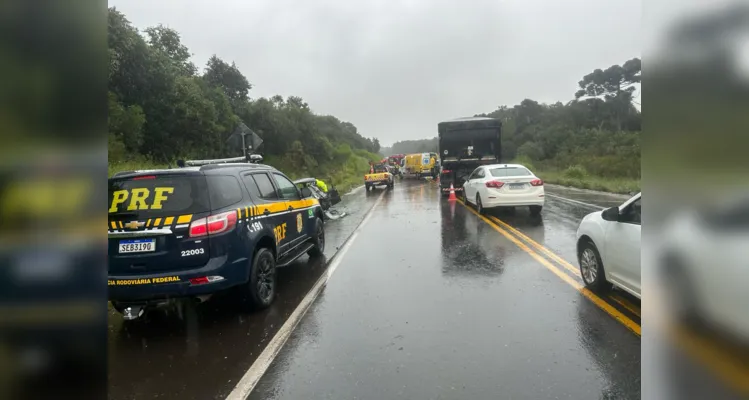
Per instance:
(134,225)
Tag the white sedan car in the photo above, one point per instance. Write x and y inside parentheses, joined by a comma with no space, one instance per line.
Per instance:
(703,265)
(504,185)
(608,247)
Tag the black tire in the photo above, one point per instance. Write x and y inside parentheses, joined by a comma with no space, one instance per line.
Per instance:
(260,289)
(479,206)
(464,198)
(680,295)
(535,210)
(591,267)
(318,239)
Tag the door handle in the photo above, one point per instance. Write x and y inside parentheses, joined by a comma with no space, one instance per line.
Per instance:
(266,212)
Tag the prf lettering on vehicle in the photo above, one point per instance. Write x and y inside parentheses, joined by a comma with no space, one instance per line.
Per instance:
(145,281)
(137,198)
(280,232)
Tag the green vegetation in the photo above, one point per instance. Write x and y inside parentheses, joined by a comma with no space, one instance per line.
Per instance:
(161,109)
(577,176)
(592,142)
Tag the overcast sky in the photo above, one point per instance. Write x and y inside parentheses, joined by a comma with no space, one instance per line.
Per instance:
(395,68)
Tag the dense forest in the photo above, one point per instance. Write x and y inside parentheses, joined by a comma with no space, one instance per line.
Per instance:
(162,108)
(595,136)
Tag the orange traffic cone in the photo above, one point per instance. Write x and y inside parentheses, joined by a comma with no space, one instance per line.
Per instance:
(452,193)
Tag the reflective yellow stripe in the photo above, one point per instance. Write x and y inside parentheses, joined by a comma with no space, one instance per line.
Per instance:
(120,224)
(157,222)
(168,221)
(183,219)
(148,223)
(239,213)
(113,225)
(247,212)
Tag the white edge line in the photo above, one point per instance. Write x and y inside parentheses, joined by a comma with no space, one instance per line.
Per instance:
(258,368)
(354,190)
(576,202)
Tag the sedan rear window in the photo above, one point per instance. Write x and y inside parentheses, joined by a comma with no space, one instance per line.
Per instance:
(509,171)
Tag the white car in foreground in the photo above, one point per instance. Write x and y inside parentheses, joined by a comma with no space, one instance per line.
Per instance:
(608,247)
(504,185)
(703,265)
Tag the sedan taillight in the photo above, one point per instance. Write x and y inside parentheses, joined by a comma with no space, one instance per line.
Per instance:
(537,182)
(494,184)
(213,224)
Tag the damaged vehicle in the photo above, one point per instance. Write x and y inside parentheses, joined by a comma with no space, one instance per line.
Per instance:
(327,199)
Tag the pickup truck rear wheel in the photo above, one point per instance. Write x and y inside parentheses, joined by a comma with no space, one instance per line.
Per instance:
(318,240)
(260,289)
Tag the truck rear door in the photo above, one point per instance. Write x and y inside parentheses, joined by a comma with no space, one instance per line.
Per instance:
(149,220)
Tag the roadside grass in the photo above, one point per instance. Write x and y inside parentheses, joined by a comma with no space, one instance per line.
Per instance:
(611,185)
(577,177)
(133,165)
(343,175)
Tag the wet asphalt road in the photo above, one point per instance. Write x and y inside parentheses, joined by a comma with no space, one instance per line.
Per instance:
(429,302)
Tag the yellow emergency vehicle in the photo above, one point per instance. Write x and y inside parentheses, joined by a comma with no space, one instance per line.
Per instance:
(419,164)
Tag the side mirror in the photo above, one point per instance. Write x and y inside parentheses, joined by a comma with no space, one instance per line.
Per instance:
(610,214)
(306,192)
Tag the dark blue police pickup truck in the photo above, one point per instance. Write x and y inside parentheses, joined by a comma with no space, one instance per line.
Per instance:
(193,231)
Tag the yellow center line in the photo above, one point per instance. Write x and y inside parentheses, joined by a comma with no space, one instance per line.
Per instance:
(543,249)
(626,304)
(726,368)
(618,315)
(538,246)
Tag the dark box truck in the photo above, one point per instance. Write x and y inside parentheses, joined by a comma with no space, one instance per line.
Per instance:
(464,144)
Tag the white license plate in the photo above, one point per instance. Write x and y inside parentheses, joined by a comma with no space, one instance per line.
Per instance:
(516,186)
(137,246)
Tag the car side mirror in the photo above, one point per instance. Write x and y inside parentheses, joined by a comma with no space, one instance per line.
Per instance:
(306,192)
(611,214)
